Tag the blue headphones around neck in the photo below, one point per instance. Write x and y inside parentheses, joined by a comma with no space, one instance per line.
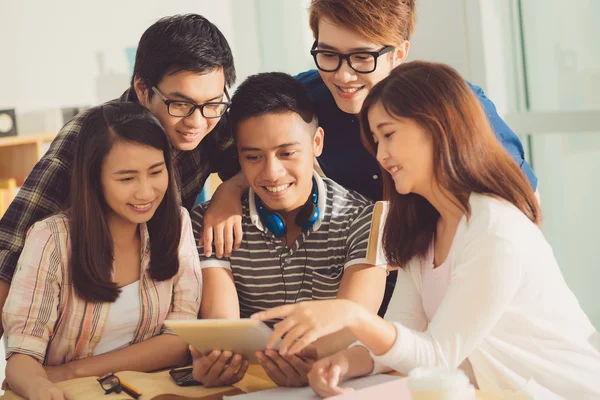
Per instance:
(306,217)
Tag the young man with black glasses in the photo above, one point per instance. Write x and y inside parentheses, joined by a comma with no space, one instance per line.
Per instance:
(305,237)
(182,68)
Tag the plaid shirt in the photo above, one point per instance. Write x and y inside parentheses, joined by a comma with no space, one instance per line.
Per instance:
(44,317)
(47,187)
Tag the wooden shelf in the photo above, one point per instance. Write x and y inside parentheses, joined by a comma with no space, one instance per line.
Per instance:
(19,154)
(28,139)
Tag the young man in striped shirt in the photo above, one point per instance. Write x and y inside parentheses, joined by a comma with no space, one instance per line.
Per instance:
(305,237)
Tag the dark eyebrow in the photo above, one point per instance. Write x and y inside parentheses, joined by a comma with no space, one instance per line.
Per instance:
(281,146)
(158,164)
(125,172)
(383,124)
(325,46)
(133,171)
(189,99)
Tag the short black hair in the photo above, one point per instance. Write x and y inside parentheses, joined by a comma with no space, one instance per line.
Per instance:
(178,43)
(272,93)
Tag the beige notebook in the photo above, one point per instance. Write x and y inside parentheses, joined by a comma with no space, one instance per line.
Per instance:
(375,254)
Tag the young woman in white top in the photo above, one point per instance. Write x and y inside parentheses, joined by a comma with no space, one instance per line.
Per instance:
(478,287)
(94,283)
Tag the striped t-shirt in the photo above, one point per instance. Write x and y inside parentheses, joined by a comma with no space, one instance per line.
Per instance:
(267,273)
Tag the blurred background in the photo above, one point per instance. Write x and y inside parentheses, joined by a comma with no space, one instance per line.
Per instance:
(538,60)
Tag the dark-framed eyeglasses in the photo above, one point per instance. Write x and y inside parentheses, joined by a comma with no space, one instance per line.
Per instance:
(112,384)
(363,62)
(179,108)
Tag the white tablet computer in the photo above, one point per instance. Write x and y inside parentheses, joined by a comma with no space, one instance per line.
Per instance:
(243,336)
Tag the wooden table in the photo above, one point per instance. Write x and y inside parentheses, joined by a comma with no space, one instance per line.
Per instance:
(159,386)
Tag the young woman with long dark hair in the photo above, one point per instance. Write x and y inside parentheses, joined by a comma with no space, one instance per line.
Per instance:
(478,285)
(95,282)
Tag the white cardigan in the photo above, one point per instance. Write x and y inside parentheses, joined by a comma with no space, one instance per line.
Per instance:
(507,308)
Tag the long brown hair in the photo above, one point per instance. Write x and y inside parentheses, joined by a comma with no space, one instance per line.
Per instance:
(92,256)
(386,22)
(468,157)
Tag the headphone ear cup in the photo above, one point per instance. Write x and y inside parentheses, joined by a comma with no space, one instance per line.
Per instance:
(308,215)
(276,224)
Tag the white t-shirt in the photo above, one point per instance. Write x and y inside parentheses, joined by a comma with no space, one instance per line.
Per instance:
(507,308)
(123,319)
(435,281)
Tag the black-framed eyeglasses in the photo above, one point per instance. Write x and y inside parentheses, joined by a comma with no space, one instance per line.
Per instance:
(112,384)
(363,62)
(178,108)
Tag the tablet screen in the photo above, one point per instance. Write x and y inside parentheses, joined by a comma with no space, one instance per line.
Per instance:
(242,336)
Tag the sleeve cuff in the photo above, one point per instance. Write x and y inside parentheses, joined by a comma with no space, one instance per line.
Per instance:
(377,368)
(386,361)
(29,345)
(363,261)
(214,263)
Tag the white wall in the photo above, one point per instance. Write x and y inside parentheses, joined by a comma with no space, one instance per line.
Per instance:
(449,31)
(66,52)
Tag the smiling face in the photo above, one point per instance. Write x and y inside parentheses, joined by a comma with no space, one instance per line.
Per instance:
(134,180)
(350,88)
(185,133)
(404,149)
(277,152)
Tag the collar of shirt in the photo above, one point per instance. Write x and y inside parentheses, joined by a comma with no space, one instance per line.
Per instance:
(145,239)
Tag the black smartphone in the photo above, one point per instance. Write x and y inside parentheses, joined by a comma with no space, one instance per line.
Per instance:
(183,376)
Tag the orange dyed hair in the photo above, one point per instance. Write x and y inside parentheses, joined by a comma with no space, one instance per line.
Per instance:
(386,22)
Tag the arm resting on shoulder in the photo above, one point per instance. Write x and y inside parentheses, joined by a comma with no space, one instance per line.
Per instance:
(222,221)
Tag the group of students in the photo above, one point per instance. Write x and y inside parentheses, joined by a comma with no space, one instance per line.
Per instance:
(103,243)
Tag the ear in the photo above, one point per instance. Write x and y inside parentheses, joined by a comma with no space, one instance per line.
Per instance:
(318,142)
(400,53)
(141,90)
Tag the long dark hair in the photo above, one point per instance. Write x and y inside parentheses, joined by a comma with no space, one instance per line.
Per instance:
(91,242)
(469,158)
